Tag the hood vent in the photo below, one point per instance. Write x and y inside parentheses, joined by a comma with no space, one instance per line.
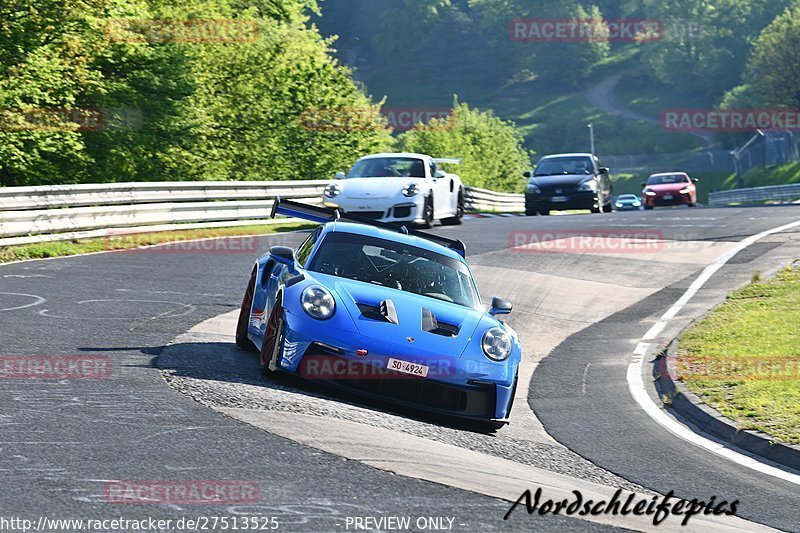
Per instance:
(431,325)
(385,312)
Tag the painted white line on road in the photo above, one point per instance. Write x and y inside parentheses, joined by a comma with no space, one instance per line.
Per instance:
(654,331)
(637,386)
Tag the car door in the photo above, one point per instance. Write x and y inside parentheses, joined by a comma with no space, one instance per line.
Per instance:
(443,185)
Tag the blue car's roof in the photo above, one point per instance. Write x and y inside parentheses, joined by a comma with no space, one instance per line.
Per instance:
(396,236)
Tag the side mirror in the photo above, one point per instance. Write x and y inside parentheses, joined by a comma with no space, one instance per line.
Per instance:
(695,180)
(643,184)
(338,176)
(283,255)
(604,170)
(500,306)
(526,174)
(438,174)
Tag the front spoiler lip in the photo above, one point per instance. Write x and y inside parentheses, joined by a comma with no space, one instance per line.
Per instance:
(416,407)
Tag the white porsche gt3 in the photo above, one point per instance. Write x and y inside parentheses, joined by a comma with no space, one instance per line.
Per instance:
(402,187)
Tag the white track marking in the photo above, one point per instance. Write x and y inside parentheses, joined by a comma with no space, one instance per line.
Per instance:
(39,301)
(636,382)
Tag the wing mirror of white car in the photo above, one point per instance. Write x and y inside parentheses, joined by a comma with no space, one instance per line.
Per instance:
(438,174)
(500,306)
(339,176)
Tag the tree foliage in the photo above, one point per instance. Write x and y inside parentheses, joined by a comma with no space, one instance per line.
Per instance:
(491,149)
(171,108)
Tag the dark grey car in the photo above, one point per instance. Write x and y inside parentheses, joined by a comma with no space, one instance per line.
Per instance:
(568,181)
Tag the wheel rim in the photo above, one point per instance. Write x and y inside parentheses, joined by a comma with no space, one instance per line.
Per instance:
(429,212)
(271,338)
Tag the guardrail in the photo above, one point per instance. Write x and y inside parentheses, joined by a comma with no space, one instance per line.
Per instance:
(775,193)
(64,212)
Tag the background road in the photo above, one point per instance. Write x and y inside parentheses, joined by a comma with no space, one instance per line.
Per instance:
(60,440)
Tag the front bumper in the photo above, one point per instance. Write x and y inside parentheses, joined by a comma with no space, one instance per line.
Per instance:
(659,200)
(547,202)
(455,386)
(408,210)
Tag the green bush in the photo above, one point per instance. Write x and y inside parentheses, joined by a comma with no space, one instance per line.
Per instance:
(491,148)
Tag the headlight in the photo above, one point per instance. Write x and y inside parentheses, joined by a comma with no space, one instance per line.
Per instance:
(332,190)
(590,185)
(685,190)
(410,190)
(496,344)
(620,205)
(649,192)
(318,302)
(532,187)
(637,203)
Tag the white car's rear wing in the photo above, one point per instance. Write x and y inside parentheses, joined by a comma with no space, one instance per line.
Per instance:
(451,160)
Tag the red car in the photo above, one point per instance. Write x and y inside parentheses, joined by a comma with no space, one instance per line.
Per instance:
(669,188)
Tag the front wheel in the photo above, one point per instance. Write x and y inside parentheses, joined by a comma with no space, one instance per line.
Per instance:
(242,340)
(273,341)
(427,215)
(455,220)
(648,208)
(545,213)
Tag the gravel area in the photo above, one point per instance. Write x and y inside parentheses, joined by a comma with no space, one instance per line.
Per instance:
(224,390)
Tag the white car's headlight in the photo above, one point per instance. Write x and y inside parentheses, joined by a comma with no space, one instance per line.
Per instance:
(496,344)
(318,302)
(410,190)
(332,190)
(532,187)
(590,185)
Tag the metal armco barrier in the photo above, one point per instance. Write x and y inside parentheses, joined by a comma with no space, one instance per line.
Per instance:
(775,193)
(63,212)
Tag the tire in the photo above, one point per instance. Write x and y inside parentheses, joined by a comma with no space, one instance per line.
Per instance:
(693,205)
(242,340)
(428,214)
(648,208)
(456,220)
(607,208)
(273,339)
(545,213)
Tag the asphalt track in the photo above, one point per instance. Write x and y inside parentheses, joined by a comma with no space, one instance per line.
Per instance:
(62,440)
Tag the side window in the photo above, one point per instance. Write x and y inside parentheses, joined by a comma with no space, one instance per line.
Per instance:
(305,249)
(432,166)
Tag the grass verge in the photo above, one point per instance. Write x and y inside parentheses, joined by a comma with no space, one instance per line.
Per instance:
(743,359)
(129,241)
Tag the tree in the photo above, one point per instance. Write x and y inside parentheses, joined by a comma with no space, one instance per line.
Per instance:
(773,70)
(491,149)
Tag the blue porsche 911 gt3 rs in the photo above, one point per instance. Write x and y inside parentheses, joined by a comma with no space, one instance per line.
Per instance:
(384,312)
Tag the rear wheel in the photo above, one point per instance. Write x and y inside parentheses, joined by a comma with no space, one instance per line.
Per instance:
(273,341)
(607,208)
(427,215)
(242,340)
(455,220)
(648,207)
(545,213)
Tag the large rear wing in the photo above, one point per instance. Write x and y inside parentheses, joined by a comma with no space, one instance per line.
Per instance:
(450,160)
(321,215)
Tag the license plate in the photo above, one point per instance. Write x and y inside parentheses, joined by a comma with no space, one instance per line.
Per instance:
(668,197)
(407,368)
(558,198)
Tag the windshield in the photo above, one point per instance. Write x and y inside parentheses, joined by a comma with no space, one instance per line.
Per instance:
(667,179)
(386,167)
(564,165)
(627,197)
(397,266)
